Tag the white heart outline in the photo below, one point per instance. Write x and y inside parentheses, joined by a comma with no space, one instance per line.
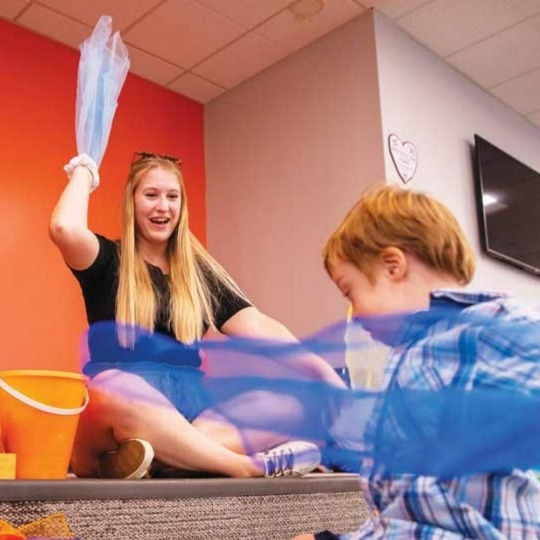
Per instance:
(405,178)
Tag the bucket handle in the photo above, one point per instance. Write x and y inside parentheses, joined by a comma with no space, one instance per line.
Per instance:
(43,406)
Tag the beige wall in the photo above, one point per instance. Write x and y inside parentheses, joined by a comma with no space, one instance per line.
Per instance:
(427,102)
(287,153)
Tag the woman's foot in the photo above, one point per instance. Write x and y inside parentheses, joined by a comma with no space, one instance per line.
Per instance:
(295,458)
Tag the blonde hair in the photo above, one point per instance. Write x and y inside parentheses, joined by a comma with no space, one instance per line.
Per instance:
(191,266)
(413,222)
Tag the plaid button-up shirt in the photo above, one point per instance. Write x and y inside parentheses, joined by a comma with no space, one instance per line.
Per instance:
(494,506)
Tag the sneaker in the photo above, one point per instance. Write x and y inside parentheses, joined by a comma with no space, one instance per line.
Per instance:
(295,458)
(132,460)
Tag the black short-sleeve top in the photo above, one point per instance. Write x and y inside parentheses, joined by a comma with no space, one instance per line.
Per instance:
(99,285)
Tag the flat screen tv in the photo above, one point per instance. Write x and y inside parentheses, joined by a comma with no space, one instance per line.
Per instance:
(508,206)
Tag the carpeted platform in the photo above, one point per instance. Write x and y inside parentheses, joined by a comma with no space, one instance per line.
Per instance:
(190,509)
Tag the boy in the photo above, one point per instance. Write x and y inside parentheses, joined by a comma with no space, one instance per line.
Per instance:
(400,252)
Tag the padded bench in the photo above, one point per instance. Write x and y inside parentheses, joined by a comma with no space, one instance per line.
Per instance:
(190,509)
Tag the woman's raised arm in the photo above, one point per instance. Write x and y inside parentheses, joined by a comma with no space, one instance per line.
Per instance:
(68,227)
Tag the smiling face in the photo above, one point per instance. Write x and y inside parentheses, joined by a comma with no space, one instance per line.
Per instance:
(157,201)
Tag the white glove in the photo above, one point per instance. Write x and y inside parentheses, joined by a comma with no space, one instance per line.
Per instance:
(84,160)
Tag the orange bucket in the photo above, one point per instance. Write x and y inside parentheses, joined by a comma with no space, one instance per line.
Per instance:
(39,412)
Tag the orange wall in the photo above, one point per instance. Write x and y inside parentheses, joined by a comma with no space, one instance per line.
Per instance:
(41,311)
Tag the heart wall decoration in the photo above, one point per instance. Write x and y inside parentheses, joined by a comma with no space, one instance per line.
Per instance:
(404,156)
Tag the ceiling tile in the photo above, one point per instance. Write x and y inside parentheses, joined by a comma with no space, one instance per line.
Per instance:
(534,118)
(123,12)
(446,27)
(196,88)
(394,8)
(521,93)
(246,12)
(9,9)
(503,56)
(239,61)
(49,23)
(152,68)
(291,32)
(183,32)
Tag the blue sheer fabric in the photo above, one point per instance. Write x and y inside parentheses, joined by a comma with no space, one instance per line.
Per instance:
(444,432)
(103,68)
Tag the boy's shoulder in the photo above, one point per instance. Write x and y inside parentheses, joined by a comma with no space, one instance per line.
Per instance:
(481,306)
(467,297)
(470,338)
(451,311)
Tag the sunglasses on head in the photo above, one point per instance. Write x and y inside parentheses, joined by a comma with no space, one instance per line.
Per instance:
(139,156)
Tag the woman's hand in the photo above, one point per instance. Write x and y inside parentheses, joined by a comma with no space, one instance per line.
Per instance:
(251,323)
(83,160)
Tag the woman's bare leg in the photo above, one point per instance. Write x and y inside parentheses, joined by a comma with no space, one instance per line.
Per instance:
(252,422)
(124,406)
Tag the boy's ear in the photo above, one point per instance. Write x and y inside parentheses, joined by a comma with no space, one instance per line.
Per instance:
(394,263)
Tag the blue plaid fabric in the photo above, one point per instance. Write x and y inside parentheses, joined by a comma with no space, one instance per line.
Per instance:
(505,354)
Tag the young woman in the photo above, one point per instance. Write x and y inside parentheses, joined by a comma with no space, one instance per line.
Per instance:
(159,277)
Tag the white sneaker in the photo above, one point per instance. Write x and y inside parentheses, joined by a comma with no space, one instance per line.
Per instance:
(294,458)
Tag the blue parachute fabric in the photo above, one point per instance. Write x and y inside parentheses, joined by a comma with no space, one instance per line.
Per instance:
(457,432)
(103,68)
(444,432)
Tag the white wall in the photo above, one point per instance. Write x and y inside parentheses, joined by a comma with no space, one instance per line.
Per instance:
(427,102)
(287,154)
